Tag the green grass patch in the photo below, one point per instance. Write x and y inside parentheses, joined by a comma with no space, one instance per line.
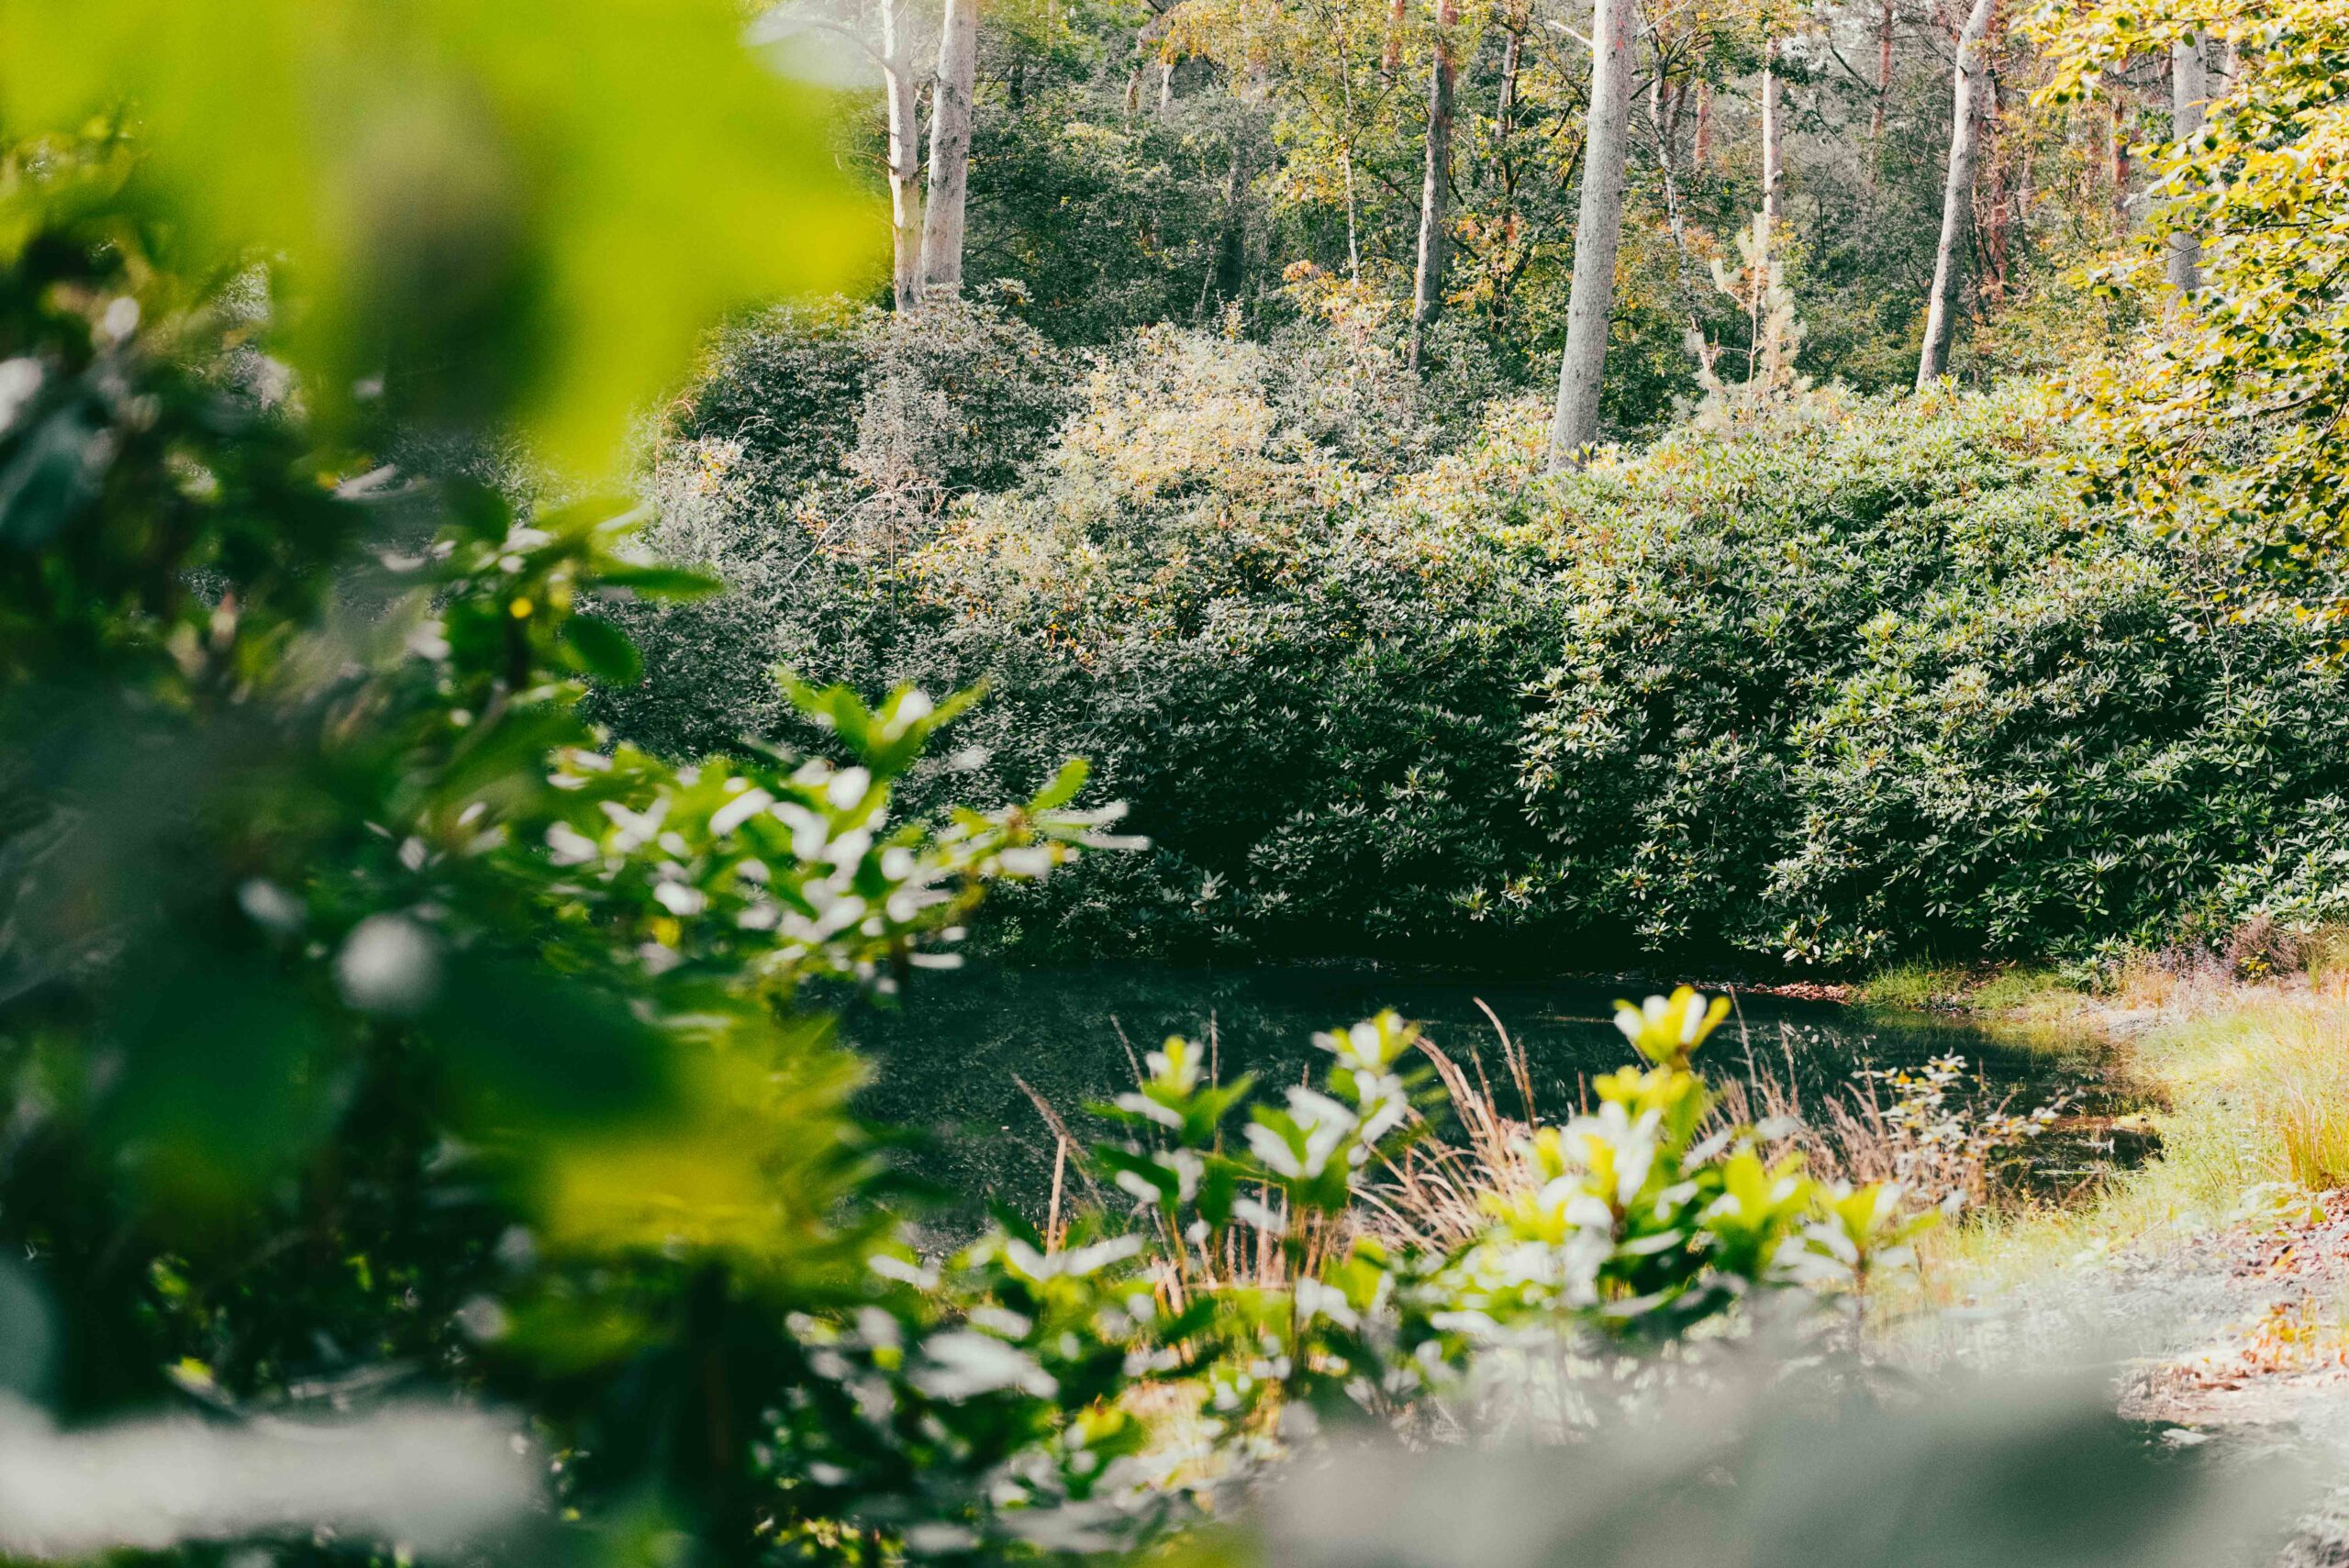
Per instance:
(2011,993)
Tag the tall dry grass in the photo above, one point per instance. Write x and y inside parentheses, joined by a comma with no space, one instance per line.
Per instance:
(1932,1132)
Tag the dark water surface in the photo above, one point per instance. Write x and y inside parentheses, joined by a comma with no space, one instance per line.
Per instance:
(948,1058)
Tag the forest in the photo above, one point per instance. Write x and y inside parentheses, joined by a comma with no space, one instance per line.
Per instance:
(1219,783)
(1865,608)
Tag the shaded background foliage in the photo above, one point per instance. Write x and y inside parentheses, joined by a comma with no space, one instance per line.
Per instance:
(1862,681)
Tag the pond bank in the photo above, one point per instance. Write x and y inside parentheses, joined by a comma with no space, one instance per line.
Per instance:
(2216,1272)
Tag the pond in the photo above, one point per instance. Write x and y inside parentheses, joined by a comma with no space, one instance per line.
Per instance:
(950,1060)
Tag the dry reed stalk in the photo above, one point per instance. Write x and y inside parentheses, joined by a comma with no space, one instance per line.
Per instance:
(1435,1193)
(1053,1214)
(1520,1068)
(1060,1130)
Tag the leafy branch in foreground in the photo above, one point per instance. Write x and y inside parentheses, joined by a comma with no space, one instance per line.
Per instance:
(370,1026)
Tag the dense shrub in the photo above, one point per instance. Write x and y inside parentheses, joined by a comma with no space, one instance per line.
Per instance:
(1858,679)
(817,443)
(2085,748)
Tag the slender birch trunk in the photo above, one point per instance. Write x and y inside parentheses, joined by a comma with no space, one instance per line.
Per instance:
(1773,156)
(905,154)
(1883,75)
(1957,196)
(1504,106)
(1435,182)
(1346,155)
(1598,228)
(2189,88)
(950,151)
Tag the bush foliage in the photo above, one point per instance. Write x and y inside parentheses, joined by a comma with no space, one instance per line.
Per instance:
(1854,680)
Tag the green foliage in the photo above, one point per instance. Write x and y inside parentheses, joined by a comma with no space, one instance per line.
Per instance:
(2222,415)
(1625,1229)
(1847,682)
(1306,695)
(365,1013)
(1883,668)
(816,445)
(371,1016)
(463,220)
(1105,221)
(1774,338)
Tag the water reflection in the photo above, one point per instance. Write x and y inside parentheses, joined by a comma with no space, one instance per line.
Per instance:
(950,1058)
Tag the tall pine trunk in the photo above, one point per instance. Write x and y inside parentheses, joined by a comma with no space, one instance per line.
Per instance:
(1957,196)
(1598,228)
(905,154)
(2189,86)
(1435,182)
(950,151)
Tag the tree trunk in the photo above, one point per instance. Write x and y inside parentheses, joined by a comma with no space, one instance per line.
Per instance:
(1435,182)
(1772,155)
(950,151)
(905,154)
(2119,159)
(1883,75)
(1346,154)
(1392,60)
(1598,228)
(2188,89)
(1166,87)
(1703,154)
(1228,274)
(1992,218)
(1957,196)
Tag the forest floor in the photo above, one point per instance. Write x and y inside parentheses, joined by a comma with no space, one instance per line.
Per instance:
(2212,1280)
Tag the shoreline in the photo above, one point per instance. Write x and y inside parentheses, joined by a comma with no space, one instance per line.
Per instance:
(2223,1260)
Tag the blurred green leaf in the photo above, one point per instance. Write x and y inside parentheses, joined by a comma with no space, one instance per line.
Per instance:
(531,1045)
(1064,784)
(222,1080)
(529,209)
(605,648)
(27,1333)
(662,582)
